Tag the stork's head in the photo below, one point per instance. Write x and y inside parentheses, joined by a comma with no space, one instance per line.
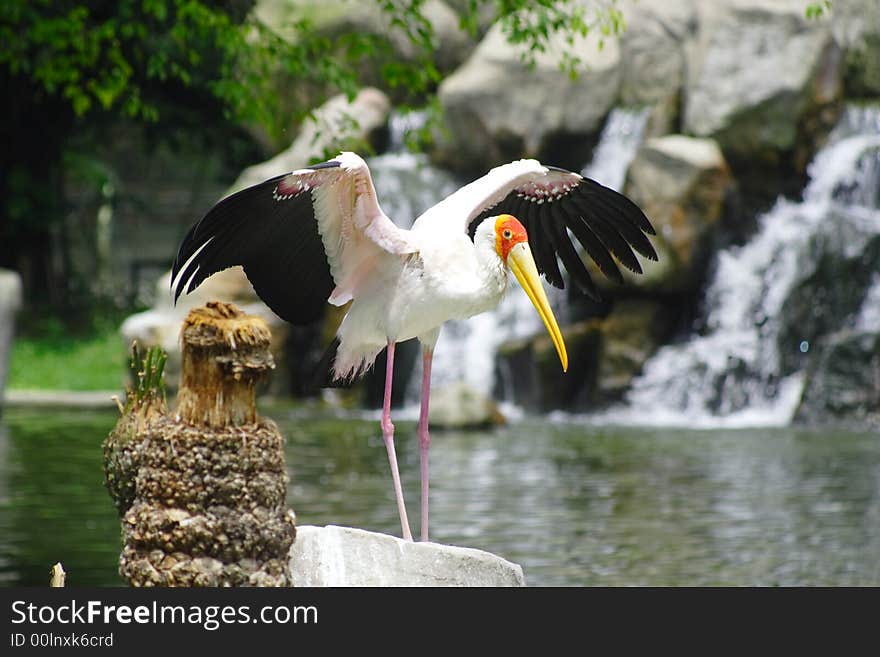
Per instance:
(512,246)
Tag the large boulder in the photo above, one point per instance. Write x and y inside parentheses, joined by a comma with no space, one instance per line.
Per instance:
(334,18)
(764,81)
(604,355)
(338,124)
(830,321)
(843,381)
(837,268)
(653,49)
(344,556)
(654,63)
(682,184)
(459,406)
(836,272)
(498,108)
(856,27)
(630,335)
(10,302)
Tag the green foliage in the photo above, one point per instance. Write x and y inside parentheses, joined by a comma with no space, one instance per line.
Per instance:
(122,57)
(99,60)
(532,24)
(418,139)
(55,360)
(148,370)
(190,71)
(117,57)
(408,17)
(816,10)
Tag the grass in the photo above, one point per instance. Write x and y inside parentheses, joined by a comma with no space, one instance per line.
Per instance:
(59,361)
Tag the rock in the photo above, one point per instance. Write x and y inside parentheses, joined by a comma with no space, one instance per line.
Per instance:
(604,355)
(653,58)
(630,336)
(843,381)
(836,272)
(498,109)
(486,13)
(337,125)
(516,375)
(333,18)
(856,27)
(10,302)
(343,556)
(458,406)
(829,324)
(681,183)
(764,81)
(576,387)
(653,64)
(530,374)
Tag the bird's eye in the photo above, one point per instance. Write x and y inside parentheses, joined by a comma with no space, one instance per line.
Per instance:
(507,234)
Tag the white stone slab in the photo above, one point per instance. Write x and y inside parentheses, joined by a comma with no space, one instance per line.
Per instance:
(344,556)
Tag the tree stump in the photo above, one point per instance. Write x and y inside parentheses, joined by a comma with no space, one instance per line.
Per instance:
(202,493)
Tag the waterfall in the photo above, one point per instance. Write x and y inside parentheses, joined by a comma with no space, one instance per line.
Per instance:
(618,143)
(406,183)
(728,375)
(466,349)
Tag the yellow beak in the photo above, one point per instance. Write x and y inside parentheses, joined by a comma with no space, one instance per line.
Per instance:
(522,264)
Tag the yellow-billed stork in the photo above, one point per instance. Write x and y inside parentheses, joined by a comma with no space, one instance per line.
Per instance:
(318,235)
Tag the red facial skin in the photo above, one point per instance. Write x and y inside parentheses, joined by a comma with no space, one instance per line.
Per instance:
(508,233)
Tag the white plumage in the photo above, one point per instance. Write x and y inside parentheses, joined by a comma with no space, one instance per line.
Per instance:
(319,235)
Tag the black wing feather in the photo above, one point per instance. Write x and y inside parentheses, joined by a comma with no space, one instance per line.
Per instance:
(621,203)
(569,255)
(543,248)
(604,221)
(275,241)
(593,246)
(610,237)
(597,204)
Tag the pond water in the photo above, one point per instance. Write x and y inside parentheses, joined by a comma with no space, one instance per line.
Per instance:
(574,504)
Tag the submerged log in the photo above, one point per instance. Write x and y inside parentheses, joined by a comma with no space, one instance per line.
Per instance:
(206,504)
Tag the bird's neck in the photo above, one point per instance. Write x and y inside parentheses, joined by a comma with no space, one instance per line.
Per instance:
(492,268)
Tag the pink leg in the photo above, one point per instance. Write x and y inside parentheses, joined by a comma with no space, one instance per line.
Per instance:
(388,435)
(424,436)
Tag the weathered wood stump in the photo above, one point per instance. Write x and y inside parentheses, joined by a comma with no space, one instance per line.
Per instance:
(202,493)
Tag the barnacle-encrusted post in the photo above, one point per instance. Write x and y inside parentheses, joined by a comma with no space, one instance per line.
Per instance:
(208,501)
(144,405)
(225,354)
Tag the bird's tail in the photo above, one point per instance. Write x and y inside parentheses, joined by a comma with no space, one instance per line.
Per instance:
(340,369)
(324,376)
(352,363)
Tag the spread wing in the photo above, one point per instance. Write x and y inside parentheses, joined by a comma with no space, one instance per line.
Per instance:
(555,205)
(303,238)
